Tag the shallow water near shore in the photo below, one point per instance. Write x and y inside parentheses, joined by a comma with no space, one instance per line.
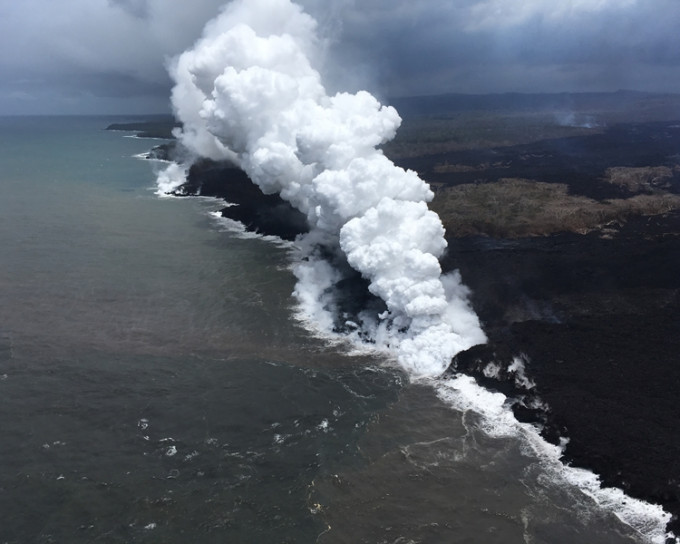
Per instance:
(154,386)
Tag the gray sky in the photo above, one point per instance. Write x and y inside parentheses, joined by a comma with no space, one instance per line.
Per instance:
(108,56)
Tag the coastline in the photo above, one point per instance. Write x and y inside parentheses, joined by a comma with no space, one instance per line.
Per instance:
(600,400)
(600,340)
(594,312)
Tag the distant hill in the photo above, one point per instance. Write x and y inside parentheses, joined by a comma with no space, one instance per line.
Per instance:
(149,127)
(624,101)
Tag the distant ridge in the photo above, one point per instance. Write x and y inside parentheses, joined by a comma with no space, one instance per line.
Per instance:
(611,101)
(160,127)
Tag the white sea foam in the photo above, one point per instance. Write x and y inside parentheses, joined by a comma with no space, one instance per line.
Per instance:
(464,394)
(148,156)
(239,230)
(136,137)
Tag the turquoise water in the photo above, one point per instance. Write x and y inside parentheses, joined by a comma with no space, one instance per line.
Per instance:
(154,386)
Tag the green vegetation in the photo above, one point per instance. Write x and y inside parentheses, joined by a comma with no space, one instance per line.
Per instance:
(650,178)
(513,208)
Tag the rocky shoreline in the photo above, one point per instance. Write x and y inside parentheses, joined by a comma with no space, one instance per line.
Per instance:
(266,214)
(592,309)
(597,324)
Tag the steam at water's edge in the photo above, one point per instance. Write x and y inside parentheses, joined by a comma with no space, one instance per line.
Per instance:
(247,92)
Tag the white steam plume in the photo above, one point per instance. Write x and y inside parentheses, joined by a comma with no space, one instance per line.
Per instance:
(248,92)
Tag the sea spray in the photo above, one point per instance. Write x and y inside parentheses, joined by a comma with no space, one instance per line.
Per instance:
(248,92)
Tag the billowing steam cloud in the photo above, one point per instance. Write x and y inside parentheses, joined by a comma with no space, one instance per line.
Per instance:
(247,92)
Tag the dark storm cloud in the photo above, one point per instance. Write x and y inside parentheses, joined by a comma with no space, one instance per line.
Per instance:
(117,49)
(52,52)
(138,8)
(517,45)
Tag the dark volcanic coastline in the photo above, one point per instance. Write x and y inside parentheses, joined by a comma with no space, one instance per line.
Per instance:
(594,312)
(265,214)
(571,247)
(597,322)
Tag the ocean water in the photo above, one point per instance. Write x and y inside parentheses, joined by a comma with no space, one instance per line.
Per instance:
(156,387)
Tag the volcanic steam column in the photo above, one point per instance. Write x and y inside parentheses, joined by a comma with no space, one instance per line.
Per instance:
(247,92)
